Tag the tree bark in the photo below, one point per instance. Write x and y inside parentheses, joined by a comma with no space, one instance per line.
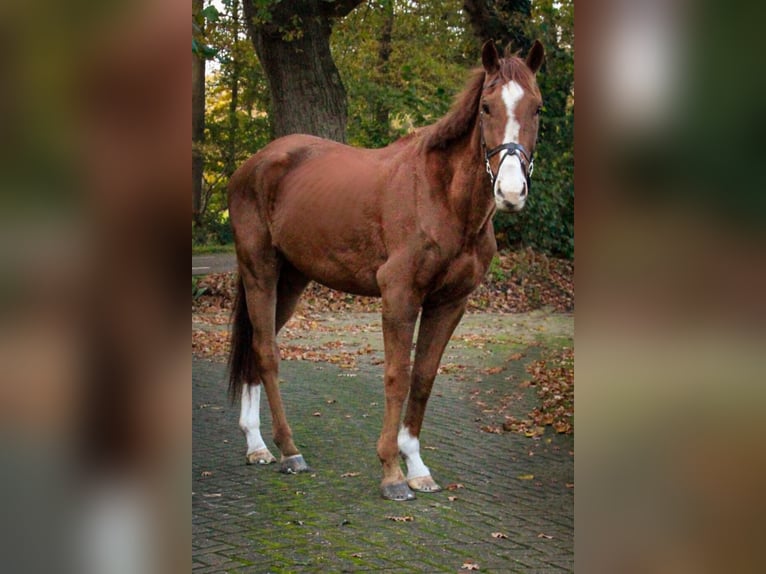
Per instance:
(307,95)
(231,143)
(198,121)
(381,108)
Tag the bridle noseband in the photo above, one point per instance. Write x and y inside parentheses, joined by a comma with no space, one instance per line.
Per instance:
(513,148)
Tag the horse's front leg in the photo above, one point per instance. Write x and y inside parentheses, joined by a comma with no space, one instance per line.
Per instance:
(437,323)
(400,313)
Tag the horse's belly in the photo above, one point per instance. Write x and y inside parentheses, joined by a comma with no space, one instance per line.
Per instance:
(329,230)
(339,276)
(327,257)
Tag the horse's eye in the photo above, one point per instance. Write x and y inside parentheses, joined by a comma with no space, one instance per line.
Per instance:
(485,108)
(538,110)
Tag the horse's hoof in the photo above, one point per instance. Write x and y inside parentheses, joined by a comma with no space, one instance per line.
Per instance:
(293,465)
(262,456)
(398,491)
(424,484)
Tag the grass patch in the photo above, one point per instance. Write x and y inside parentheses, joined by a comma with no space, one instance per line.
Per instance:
(208,249)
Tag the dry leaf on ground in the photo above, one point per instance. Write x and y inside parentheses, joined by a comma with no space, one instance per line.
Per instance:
(401,518)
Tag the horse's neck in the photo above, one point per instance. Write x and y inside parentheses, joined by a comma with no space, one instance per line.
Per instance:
(470,192)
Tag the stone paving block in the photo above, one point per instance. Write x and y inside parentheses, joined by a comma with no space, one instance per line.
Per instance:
(264,521)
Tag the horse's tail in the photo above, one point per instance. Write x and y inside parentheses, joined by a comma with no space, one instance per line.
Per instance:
(241,356)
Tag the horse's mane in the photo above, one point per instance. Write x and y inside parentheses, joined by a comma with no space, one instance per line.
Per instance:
(461,118)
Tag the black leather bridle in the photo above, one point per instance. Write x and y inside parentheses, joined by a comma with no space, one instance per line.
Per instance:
(513,148)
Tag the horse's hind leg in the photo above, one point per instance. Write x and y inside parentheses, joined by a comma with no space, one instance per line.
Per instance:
(250,423)
(290,286)
(261,279)
(436,327)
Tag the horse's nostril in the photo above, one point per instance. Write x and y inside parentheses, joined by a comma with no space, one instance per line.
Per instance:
(523,192)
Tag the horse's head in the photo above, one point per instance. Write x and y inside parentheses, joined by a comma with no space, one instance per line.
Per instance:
(509,113)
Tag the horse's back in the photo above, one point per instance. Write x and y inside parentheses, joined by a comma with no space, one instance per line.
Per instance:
(321,203)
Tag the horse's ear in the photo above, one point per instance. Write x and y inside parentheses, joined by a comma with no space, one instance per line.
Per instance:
(490,58)
(535,57)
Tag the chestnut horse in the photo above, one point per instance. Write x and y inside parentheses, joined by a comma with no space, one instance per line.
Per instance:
(411,223)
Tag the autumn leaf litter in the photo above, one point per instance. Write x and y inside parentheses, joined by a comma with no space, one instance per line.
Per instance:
(518,282)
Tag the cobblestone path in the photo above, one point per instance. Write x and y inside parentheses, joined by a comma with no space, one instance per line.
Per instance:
(254,519)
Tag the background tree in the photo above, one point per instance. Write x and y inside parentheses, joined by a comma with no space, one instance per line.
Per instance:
(236,119)
(547,222)
(292,40)
(401,63)
(503,21)
(198,106)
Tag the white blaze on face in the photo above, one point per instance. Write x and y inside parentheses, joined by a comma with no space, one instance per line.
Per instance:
(409,446)
(250,418)
(510,186)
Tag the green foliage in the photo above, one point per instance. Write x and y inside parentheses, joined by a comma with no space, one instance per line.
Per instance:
(197,290)
(547,221)
(199,23)
(210,13)
(233,130)
(496,271)
(212,227)
(430,48)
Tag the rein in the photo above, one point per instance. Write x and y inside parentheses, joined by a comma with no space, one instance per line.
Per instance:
(513,148)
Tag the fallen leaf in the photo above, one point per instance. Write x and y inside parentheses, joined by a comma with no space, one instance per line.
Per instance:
(401,518)
(213,495)
(535,432)
(569,485)
(452,498)
(469,566)
(206,474)
(491,370)
(357,555)
(317,414)
(499,535)
(547,537)
(562,427)
(454,486)
(349,474)
(526,476)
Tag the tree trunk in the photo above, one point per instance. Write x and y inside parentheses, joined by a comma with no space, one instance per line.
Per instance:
(307,95)
(381,108)
(198,121)
(231,143)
